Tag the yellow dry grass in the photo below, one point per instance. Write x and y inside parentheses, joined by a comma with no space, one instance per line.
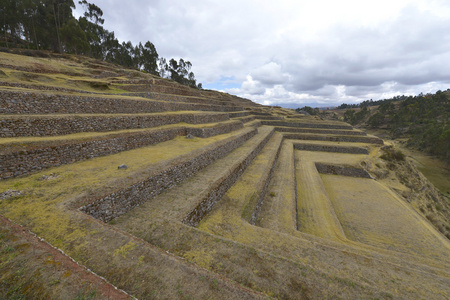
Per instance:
(371,214)
(43,197)
(224,233)
(279,211)
(347,246)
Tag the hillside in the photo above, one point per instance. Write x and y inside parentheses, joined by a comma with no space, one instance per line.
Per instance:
(117,184)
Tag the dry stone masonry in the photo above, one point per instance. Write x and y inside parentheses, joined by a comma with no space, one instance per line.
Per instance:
(120,202)
(15,126)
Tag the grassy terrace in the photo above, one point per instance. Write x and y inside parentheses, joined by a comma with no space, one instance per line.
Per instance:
(46,140)
(157,223)
(250,216)
(48,208)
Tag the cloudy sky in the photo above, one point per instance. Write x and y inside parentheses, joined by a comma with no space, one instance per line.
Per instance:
(297,52)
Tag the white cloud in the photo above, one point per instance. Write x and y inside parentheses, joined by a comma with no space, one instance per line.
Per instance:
(323,52)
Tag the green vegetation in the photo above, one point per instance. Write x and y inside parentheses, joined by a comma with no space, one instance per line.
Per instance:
(308,109)
(50,25)
(423,119)
(392,154)
(353,117)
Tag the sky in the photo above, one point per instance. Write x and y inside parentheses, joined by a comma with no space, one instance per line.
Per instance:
(296,53)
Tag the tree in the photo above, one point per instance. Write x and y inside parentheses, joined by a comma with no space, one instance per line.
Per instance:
(146,58)
(308,109)
(349,116)
(163,68)
(74,38)
(92,12)
(376,119)
(180,72)
(62,13)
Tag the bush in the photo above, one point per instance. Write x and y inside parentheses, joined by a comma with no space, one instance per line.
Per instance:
(392,154)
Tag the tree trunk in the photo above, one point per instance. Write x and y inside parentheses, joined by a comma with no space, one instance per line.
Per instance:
(34,33)
(57,28)
(6,36)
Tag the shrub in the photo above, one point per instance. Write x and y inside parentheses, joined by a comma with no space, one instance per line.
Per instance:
(392,154)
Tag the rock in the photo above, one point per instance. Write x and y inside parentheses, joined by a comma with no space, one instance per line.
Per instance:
(49,177)
(10,194)
(189,136)
(122,167)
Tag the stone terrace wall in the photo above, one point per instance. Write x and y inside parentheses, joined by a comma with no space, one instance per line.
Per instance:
(266,178)
(342,170)
(306,125)
(41,103)
(43,87)
(329,148)
(150,88)
(247,119)
(28,161)
(266,118)
(216,130)
(51,126)
(239,114)
(222,186)
(178,98)
(348,138)
(320,131)
(23,162)
(120,202)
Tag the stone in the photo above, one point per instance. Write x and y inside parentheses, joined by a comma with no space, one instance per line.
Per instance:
(10,194)
(189,136)
(122,167)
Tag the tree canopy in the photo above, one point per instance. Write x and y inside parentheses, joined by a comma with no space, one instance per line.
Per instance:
(423,120)
(50,25)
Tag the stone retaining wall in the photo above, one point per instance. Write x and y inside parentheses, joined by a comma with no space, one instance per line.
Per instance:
(348,138)
(329,148)
(216,130)
(266,178)
(246,119)
(306,125)
(150,88)
(266,118)
(61,125)
(178,98)
(239,114)
(28,161)
(23,162)
(222,186)
(120,202)
(342,170)
(43,87)
(320,131)
(42,103)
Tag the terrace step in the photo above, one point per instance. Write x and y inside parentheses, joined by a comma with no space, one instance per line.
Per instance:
(242,202)
(334,138)
(20,156)
(222,185)
(329,148)
(320,131)
(279,208)
(38,102)
(178,98)
(310,124)
(52,125)
(162,176)
(175,204)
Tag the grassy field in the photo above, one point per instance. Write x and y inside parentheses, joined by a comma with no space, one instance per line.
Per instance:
(373,215)
(277,228)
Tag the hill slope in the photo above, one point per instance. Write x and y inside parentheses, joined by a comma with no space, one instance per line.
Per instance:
(171,192)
